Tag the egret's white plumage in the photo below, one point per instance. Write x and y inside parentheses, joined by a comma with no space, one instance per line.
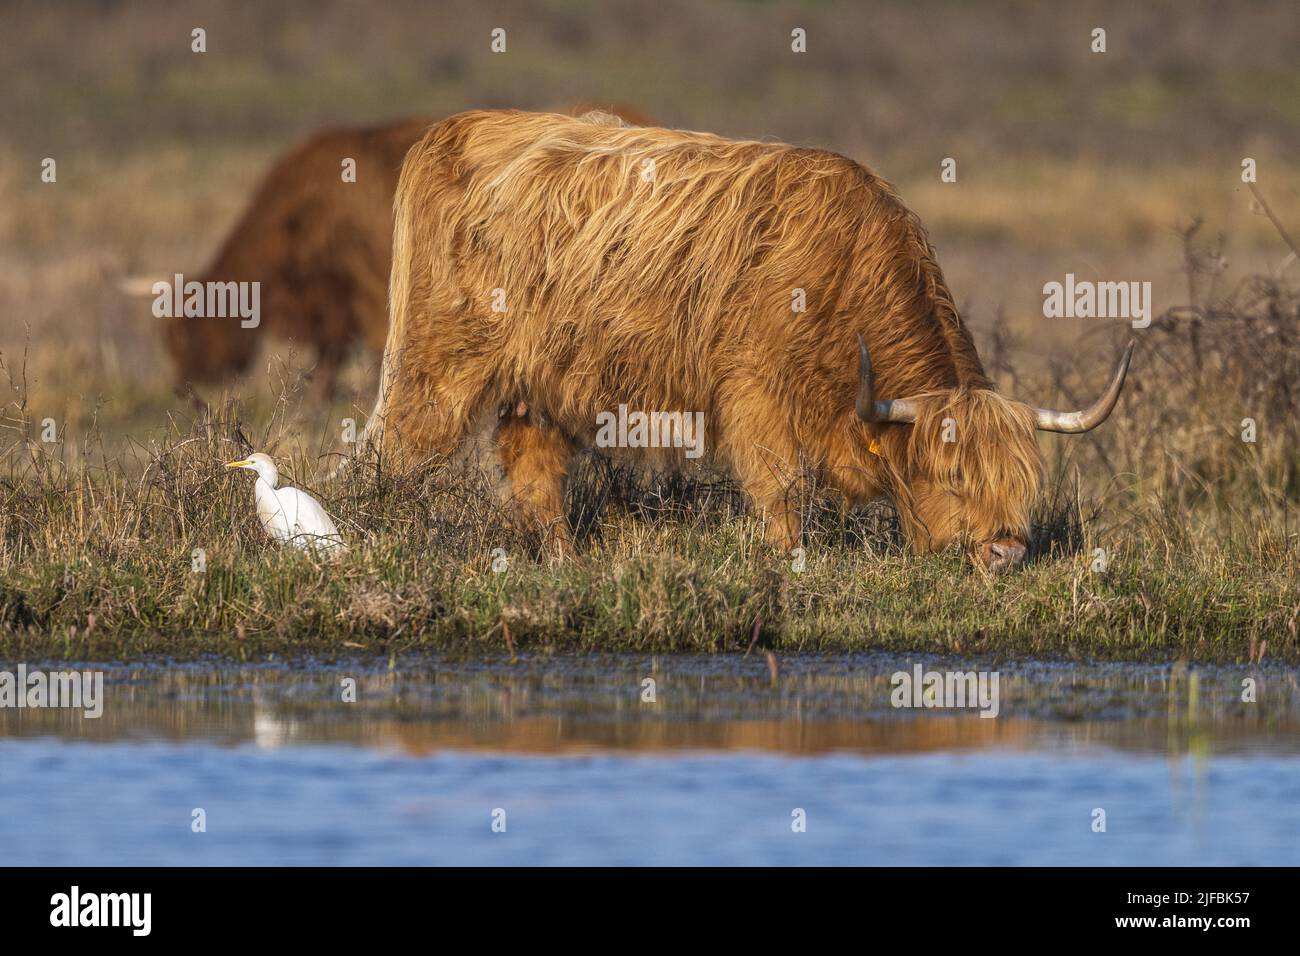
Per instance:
(289,514)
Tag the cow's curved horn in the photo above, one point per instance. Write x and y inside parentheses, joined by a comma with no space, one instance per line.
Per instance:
(1071,423)
(871,410)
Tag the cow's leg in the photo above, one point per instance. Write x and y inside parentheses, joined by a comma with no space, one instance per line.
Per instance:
(775,504)
(329,359)
(426,413)
(536,457)
(768,471)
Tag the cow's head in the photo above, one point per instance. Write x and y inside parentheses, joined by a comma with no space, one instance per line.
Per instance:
(206,350)
(968,467)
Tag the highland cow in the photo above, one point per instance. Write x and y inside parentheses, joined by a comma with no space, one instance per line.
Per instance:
(564,267)
(319,246)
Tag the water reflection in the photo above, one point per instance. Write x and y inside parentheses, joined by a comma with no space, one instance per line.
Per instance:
(288,773)
(819,705)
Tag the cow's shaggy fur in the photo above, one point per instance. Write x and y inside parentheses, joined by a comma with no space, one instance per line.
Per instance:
(657,269)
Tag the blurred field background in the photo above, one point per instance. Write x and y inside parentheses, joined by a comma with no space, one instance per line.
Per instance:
(1068,162)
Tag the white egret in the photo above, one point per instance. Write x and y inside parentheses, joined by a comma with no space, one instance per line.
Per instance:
(289,514)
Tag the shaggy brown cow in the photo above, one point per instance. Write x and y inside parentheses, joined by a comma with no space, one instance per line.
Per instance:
(657,269)
(321,249)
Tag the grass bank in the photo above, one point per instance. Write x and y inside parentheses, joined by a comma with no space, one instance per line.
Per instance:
(170,561)
(1169,532)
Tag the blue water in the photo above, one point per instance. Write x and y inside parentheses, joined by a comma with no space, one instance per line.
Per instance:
(131,804)
(417,779)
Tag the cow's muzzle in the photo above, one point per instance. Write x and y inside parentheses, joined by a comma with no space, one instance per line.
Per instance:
(1002,554)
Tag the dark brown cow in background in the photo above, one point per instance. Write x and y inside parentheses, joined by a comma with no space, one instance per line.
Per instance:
(321,248)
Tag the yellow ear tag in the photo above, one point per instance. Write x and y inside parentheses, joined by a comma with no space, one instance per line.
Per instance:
(874,448)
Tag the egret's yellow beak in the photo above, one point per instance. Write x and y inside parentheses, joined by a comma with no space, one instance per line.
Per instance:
(243,462)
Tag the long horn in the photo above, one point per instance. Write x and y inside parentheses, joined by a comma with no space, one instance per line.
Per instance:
(871,410)
(139,287)
(1071,423)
